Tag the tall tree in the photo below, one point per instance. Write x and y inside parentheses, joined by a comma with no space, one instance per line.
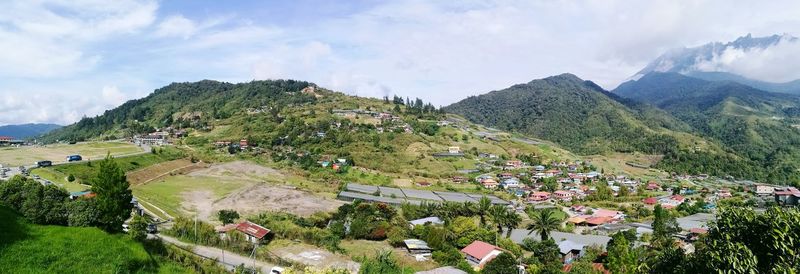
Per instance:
(484,204)
(113,195)
(498,215)
(621,256)
(512,221)
(543,222)
(664,226)
(502,264)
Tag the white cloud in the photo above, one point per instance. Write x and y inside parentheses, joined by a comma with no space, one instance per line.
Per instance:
(778,63)
(176,25)
(438,51)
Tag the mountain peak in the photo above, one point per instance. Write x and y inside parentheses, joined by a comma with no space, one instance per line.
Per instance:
(685,60)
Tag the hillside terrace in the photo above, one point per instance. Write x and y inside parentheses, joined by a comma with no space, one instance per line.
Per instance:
(398,196)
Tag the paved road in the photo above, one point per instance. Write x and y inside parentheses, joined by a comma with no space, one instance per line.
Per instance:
(231,260)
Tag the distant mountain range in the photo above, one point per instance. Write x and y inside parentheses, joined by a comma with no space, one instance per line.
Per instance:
(26,130)
(688,61)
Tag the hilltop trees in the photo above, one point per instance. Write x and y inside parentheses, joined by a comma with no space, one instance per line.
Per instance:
(113,196)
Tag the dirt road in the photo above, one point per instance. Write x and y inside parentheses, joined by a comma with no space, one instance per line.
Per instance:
(227,259)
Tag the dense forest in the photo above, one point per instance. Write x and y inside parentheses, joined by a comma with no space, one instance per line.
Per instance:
(756,126)
(747,133)
(574,113)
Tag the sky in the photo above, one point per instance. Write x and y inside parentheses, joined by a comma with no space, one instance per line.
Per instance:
(62,60)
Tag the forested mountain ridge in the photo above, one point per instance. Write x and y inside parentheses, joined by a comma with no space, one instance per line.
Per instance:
(26,130)
(193,103)
(574,113)
(758,126)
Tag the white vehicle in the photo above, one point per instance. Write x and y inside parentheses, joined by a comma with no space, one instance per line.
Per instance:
(126,228)
(276,270)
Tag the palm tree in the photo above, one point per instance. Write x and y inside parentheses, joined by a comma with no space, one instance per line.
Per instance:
(512,221)
(483,207)
(543,223)
(498,214)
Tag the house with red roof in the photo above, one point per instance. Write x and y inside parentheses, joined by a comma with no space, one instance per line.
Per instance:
(650,201)
(479,253)
(489,183)
(539,196)
(653,186)
(563,195)
(787,196)
(253,232)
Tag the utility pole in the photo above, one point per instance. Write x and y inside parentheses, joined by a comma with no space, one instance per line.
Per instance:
(195,228)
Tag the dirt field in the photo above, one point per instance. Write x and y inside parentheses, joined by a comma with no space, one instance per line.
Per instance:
(315,257)
(261,197)
(16,156)
(246,187)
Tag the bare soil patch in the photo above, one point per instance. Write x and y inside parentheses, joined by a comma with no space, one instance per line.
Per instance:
(200,201)
(315,257)
(240,169)
(262,197)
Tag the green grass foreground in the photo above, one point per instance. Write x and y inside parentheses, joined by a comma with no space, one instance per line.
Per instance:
(28,248)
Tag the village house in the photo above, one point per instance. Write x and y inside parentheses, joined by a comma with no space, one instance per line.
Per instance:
(650,201)
(489,183)
(788,196)
(723,194)
(672,201)
(562,195)
(479,253)
(253,233)
(418,247)
(653,186)
(538,197)
(510,183)
(764,190)
(152,139)
(513,164)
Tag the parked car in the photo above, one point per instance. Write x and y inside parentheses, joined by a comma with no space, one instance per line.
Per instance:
(44,163)
(74,158)
(152,228)
(36,176)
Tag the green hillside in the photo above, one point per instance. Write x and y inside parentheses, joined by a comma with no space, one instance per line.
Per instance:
(28,248)
(298,125)
(759,127)
(576,114)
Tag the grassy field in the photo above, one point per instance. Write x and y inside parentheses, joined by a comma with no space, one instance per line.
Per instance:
(27,248)
(15,156)
(168,193)
(59,179)
(85,170)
